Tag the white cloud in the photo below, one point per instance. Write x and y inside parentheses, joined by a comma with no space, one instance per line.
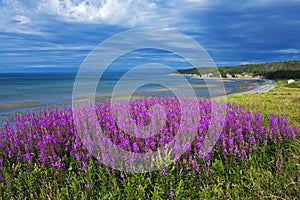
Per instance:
(288,51)
(21,19)
(126,12)
(17,17)
(264,3)
(246,63)
(26,16)
(197,1)
(52,47)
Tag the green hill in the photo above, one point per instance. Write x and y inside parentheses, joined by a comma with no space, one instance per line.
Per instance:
(271,70)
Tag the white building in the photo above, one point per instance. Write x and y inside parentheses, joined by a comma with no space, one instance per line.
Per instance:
(291,81)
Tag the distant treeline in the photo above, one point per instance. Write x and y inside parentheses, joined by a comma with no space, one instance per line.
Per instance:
(272,70)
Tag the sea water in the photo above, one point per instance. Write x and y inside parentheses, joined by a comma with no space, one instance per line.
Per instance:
(57,88)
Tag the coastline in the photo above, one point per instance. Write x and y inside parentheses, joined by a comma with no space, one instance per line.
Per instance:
(267,86)
(256,85)
(261,87)
(18,104)
(195,76)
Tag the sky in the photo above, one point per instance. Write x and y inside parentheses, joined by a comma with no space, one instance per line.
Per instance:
(57,35)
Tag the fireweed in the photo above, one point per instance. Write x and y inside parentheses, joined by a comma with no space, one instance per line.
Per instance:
(49,137)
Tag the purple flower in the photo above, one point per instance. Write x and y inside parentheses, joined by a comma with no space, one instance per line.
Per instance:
(78,157)
(236,151)
(180,171)
(28,156)
(278,165)
(293,134)
(172,194)
(53,134)
(89,186)
(135,147)
(164,171)
(122,175)
(273,121)
(252,140)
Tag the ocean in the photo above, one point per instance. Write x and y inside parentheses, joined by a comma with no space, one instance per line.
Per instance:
(21,92)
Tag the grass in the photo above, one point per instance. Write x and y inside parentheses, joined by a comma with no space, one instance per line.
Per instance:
(256,179)
(284,99)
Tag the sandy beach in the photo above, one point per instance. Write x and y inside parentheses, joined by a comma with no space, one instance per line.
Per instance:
(18,104)
(263,88)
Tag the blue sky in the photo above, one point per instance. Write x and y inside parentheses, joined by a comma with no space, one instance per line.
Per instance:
(59,34)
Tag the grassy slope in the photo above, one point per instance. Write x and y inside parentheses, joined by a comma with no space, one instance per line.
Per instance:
(282,100)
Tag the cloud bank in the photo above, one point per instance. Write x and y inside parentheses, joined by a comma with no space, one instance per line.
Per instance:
(231,31)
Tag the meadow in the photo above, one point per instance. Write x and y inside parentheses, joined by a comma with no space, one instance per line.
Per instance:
(42,155)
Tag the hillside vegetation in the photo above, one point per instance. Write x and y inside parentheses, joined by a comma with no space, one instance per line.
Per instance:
(271,70)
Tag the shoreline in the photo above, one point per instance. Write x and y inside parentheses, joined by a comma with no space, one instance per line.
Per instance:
(195,76)
(263,88)
(18,104)
(9,109)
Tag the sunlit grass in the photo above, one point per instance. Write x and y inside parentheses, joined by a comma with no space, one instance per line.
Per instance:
(282,100)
